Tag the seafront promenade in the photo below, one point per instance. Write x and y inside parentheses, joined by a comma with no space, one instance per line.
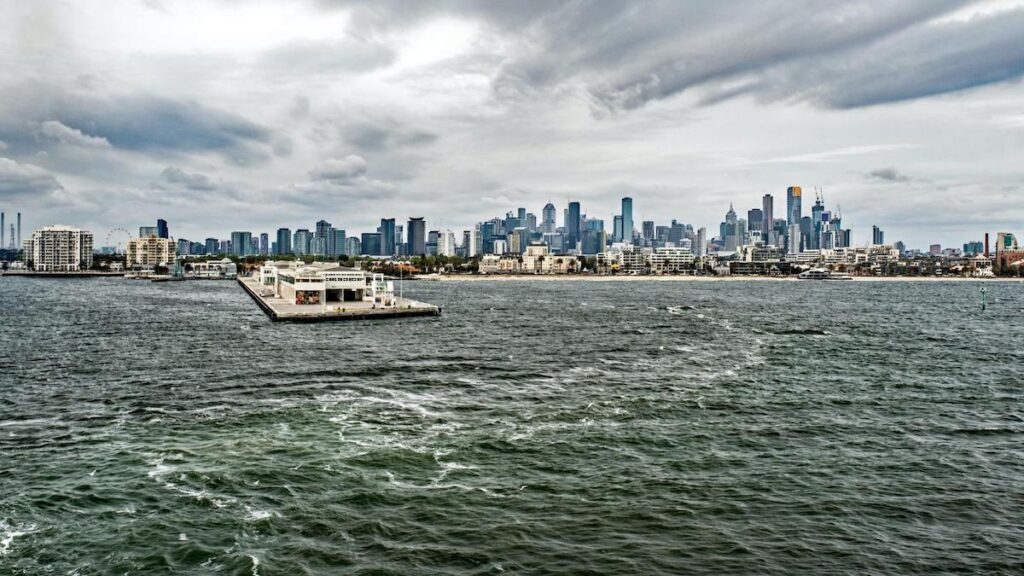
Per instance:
(283,310)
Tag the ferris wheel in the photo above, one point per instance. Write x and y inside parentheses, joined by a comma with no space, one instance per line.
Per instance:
(118,238)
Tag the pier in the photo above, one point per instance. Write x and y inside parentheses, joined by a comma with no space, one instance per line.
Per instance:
(286,310)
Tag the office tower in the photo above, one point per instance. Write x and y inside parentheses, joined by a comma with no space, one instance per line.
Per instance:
(702,242)
(339,242)
(755,218)
(446,243)
(471,242)
(212,246)
(241,243)
(793,239)
(729,230)
(815,232)
(417,237)
(548,224)
(370,244)
(531,222)
(387,236)
(264,244)
(2,231)
(323,239)
(877,236)
(301,242)
(648,230)
(767,218)
(353,246)
(18,246)
(794,208)
(572,226)
(147,231)
(627,220)
(284,241)
(617,233)
(521,216)
(161,229)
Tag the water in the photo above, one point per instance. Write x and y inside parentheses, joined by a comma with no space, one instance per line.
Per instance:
(535,428)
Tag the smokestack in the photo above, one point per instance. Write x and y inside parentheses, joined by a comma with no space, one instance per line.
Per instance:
(986,244)
(18,247)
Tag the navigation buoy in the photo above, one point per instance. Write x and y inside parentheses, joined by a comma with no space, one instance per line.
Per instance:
(984,299)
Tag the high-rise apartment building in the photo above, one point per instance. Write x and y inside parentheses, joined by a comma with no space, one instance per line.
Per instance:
(284,241)
(150,252)
(59,249)
(387,236)
(877,236)
(767,216)
(241,243)
(572,226)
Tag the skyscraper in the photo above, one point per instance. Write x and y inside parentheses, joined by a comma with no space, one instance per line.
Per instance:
(877,236)
(417,235)
(371,243)
(648,230)
(548,224)
(241,243)
(161,229)
(572,226)
(212,246)
(339,242)
(702,242)
(767,215)
(794,208)
(301,241)
(284,241)
(325,238)
(755,219)
(627,220)
(617,234)
(816,218)
(387,236)
(264,244)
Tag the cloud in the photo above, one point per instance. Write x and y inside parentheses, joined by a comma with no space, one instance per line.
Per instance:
(54,130)
(194,181)
(136,122)
(889,175)
(25,181)
(303,58)
(340,170)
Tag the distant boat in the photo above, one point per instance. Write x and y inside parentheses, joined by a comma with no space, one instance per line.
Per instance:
(823,274)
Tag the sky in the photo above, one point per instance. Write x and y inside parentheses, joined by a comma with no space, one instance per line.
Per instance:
(223,115)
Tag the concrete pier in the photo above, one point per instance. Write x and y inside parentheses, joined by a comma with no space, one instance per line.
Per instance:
(282,310)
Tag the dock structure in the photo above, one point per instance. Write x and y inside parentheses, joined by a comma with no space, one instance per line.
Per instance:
(296,292)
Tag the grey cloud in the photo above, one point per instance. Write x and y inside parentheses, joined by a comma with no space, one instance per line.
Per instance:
(310,57)
(340,170)
(139,122)
(54,130)
(626,54)
(889,175)
(385,134)
(192,181)
(25,181)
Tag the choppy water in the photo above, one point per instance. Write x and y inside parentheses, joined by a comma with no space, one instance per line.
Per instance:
(535,428)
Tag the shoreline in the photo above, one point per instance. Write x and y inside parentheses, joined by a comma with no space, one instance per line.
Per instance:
(681,278)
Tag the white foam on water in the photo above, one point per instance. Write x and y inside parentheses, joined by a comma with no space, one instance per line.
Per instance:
(257,515)
(255,565)
(8,533)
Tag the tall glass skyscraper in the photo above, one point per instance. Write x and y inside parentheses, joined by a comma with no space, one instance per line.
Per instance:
(548,225)
(627,220)
(794,207)
(417,234)
(161,229)
(572,226)
(387,236)
(767,215)
(284,241)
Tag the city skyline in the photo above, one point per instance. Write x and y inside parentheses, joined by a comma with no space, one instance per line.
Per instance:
(216,117)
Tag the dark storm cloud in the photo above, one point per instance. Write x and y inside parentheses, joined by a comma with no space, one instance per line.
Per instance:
(889,175)
(137,122)
(839,55)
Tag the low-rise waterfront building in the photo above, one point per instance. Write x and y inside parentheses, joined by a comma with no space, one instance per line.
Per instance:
(214,269)
(321,283)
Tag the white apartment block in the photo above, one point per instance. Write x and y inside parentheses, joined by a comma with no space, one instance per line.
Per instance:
(59,249)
